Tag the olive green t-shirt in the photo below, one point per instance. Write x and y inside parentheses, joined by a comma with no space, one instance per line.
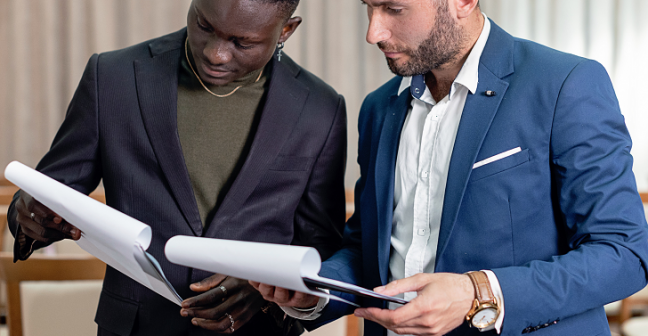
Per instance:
(216,133)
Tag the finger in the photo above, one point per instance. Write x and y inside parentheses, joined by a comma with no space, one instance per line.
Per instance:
(37,208)
(254,284)
(208,283)
(224,290)
(241,308)
(38,232)
(371,314)
(283,296)
(48,228)
(410,284)
(214,313)
(222,325)
(386,317)
(33,211)
(267,292)
(303,300)
(58,224)
(212,297)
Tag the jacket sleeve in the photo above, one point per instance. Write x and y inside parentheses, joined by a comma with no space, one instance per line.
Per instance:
(346,264)
(597,209)
(73,158)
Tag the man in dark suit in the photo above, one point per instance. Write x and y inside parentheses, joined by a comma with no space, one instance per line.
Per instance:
(496,186)
(210,131)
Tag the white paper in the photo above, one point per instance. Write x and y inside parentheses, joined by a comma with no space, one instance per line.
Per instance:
(283,266)
(117,239)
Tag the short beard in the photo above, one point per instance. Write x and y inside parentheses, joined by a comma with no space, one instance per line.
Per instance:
(442,46)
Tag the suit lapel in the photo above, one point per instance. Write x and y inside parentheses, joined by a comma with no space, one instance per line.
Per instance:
(285,100)
(496,62)
(385,169)
(157,88)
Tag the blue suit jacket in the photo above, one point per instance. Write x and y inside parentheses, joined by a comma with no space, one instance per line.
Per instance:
(560,223)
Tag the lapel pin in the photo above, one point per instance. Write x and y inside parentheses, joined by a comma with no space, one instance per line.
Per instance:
(490,93)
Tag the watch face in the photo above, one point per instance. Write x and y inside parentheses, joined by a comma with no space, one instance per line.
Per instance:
(484,318)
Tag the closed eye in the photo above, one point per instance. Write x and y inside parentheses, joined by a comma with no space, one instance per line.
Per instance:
(240,45)
(202,26)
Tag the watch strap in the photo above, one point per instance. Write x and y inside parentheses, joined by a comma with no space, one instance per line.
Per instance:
(483,291)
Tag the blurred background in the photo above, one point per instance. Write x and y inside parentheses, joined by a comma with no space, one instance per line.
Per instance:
(46,44)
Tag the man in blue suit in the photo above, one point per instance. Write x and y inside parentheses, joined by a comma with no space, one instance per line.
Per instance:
(496,187)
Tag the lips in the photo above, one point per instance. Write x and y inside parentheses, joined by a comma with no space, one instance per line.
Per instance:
(215,72)
(392,54)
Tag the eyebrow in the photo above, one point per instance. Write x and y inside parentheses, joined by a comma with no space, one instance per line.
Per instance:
(248,39)
(385,3)
(200,14)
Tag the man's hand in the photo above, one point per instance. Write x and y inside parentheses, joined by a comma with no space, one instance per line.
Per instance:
(42,224)
(223,300)
(442,303)
(284,297)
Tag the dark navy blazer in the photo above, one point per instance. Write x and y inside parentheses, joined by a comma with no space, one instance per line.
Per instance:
(560,223)
(121,127)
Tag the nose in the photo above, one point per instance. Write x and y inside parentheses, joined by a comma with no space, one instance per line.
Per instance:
(378,30)
(218,52)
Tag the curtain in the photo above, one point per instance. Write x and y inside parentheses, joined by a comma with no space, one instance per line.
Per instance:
(47,43)
(45,46)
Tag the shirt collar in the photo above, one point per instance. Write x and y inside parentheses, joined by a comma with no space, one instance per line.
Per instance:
(468,75)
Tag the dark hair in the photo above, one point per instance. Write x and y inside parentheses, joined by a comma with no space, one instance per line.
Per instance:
(287,7)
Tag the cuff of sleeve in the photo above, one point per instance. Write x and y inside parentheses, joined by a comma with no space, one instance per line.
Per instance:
(307,314)
(24,246)
(497,291)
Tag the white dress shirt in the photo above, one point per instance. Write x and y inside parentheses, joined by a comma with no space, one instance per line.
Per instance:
(422,165)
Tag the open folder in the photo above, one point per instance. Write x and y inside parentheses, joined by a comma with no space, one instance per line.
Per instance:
(286,266)
(121,242)
(117,239)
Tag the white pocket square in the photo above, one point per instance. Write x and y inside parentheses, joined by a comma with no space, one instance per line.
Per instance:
(497,157)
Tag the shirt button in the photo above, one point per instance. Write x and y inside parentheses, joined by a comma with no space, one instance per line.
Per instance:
(420,232)
(425,174)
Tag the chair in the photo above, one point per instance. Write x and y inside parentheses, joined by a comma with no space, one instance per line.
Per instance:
(635,326)
(42,268)
(6,194)
(633,305)
(3,224)
(636,304)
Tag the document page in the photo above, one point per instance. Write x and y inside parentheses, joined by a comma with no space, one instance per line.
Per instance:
(117,239)
(290,267)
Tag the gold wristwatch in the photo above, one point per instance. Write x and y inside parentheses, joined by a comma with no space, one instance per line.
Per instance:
(485,309)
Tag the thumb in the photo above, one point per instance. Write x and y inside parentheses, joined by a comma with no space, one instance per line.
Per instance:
(208,283)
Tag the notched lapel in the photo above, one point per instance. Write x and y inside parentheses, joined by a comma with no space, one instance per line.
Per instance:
(477,116)
(385,171)
(157,83)
(283,105)
(496,63)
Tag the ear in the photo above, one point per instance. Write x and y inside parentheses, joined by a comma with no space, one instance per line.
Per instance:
(465,8)
(289,28)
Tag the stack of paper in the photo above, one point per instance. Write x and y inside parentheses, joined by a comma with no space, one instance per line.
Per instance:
(117,239)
